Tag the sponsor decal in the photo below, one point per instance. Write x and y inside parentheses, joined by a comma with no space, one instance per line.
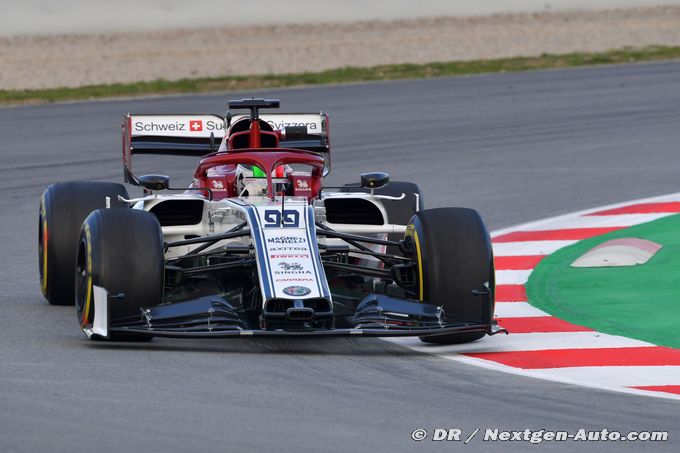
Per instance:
(293,256)
(153,126)
(303,185)
(296,290)
(211,125)
(311,126)
(287,240)
(196,125)
(290,260)
(178,125)
(288,249)
(312,121)
(294,272)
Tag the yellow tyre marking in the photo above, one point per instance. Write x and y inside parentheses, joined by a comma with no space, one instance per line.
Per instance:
(420,267)
(88,298)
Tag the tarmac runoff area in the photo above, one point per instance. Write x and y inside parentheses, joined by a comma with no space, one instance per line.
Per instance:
(613,328)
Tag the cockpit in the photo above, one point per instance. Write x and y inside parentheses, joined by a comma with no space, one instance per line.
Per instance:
(248,135)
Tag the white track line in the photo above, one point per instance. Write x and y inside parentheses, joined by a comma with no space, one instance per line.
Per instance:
(512,277)
(529,247)
(527,342)
(517,310)
(624,376)
(563,378)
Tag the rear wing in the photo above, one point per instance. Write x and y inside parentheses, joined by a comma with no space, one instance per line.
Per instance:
(198,135)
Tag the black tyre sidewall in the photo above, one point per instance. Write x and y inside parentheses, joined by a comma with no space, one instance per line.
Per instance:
(456,258)
(126,252)
(63,208)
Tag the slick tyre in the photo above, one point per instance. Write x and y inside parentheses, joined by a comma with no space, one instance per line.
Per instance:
(63,208)
(455,258)
(122,252)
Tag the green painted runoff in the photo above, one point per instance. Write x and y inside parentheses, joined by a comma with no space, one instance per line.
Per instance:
(641,302)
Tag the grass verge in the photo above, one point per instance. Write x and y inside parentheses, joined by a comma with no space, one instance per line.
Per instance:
(341,75)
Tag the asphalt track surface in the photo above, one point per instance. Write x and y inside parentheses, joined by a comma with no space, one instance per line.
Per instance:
(518,147)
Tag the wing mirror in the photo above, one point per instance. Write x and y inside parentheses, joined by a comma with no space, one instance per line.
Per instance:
(374,180)
(154,182)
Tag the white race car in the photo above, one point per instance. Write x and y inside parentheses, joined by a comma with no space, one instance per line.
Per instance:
(256,245)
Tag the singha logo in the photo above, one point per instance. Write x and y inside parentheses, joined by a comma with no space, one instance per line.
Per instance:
(291,266)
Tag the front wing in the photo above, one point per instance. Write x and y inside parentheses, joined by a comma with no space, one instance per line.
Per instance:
(381,316)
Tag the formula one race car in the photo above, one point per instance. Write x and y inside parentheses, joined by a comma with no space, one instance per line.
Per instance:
(256,245)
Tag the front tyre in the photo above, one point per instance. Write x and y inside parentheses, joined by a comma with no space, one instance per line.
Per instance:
(63,208)
(122,252)
(455,258)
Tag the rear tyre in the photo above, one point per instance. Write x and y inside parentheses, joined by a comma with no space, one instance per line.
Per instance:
(121,251)
(455,255)
(63,208)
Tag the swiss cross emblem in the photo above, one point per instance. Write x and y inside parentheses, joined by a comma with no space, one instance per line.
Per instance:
(196,125)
